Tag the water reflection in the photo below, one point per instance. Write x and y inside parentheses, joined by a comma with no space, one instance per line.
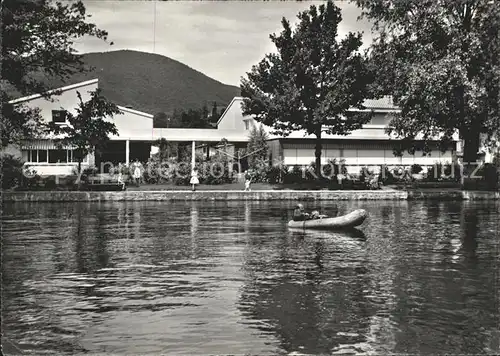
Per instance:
(211,278)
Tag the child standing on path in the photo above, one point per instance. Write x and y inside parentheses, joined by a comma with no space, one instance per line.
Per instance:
(194,179)
(248,181)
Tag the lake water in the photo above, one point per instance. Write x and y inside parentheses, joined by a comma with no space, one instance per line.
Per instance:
(230,278)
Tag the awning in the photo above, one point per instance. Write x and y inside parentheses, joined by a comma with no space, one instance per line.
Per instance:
(41,145)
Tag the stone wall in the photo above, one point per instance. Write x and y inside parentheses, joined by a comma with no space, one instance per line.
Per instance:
(65,196)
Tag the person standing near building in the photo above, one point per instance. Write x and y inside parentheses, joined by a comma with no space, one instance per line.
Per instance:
(248,181)
(194,179)
(137,172)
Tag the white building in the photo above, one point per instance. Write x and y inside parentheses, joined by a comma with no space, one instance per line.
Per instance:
(134,140)
(367,146)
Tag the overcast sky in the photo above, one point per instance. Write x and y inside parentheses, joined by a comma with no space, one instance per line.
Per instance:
(221,39)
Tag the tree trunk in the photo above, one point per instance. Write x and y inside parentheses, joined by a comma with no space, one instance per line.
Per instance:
(78,178)
(317,152)
(471,145)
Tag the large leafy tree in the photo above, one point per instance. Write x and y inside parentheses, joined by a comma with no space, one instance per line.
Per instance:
(37,44)
(88,130)
(440,59)
(312,79)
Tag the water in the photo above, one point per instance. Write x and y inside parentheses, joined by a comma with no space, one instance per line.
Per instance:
(230,278)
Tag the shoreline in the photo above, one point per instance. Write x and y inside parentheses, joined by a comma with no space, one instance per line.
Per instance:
(224,195)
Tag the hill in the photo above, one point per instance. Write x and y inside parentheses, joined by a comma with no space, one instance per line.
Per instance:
(152,83)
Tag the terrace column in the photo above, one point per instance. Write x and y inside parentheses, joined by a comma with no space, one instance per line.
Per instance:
(193,154)
(127,152)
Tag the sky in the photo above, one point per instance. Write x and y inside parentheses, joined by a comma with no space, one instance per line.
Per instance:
(221,39)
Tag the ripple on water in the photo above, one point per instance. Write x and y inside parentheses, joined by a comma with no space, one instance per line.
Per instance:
(230,278)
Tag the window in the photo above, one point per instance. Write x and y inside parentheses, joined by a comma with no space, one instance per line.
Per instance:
(59,116)
(247,125)
(42,156)
(35,156)
(58,156)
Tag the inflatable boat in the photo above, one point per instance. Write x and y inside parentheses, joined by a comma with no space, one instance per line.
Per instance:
(348,221)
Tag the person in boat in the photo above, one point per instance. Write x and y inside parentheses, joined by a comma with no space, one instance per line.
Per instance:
(299,213)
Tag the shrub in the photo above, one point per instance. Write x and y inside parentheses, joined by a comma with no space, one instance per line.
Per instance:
(489,174)
(12,172)
(260,171)
(386,176)
(182,173)
(443,172)
(416,169)
(295,175)
(49,183)
(365,174)
(275,174)
(158,171)
(15,175)
(216,171)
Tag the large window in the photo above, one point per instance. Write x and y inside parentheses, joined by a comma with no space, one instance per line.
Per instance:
(51,156)
(58,156)
(59,116)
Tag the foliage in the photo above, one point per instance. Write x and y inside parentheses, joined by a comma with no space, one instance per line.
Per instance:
(386,176)
(311,81)
(14,174)
(257,154)
(189,118)
(158,171)
(443,172)
(416,169)
(489,174)
(89,129)
(439,60)
(165,148)
(216,170)
(257,148)
(37,42)
(276,173)
(295,175)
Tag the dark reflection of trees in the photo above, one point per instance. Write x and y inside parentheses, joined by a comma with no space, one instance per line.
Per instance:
(80,240)
(445,295)
(101,241)
(470,227)
(296,291)
(433,208)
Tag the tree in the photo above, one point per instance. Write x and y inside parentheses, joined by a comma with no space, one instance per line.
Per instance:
(440,60)
(257,148)
(191,118)
(161,120)
(312,81)
(87,131)
(37,44)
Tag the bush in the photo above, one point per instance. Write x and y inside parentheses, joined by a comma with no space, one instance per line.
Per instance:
(365,174)
(386,176)
(276,174)
(416,169)
(293,176)
(15,175)
(216,171)
(443,172)
(158,171)
(259,173)
(182,174)
(12,172)
(489,174)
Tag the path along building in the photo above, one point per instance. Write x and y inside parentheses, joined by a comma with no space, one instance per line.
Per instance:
(136,135)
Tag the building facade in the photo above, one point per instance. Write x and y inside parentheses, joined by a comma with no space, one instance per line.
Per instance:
(368,146)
